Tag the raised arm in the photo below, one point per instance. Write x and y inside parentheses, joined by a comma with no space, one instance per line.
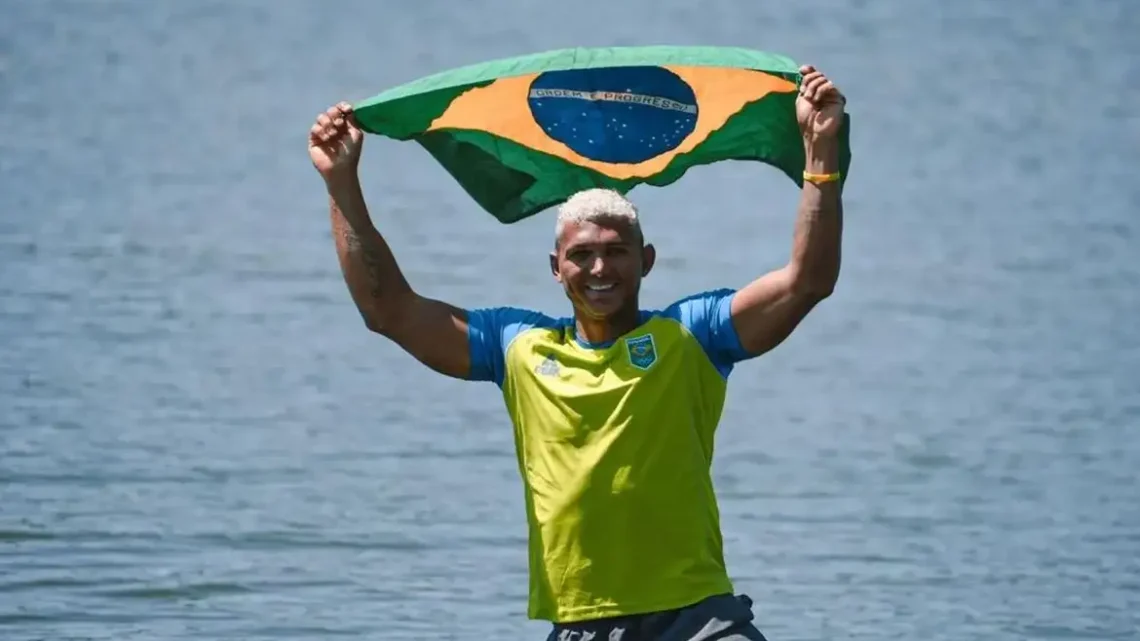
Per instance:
(767,310)
(433,332)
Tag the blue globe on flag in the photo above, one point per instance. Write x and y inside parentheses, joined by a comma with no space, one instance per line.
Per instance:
(615,114)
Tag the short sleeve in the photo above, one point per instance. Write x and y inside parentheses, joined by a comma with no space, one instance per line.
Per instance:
(490,332)
(708,317)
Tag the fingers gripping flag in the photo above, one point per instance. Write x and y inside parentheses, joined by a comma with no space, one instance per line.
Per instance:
(523,134)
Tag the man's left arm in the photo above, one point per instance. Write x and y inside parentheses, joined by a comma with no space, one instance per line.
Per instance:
(767,310)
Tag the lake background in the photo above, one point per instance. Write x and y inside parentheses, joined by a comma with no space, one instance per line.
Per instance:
(199,439)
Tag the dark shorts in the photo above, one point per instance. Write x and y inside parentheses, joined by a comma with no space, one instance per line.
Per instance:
(719,618)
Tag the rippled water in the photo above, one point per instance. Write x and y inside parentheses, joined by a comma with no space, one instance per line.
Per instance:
(199,439)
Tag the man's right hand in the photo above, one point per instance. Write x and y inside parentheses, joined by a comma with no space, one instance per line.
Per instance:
(335,142)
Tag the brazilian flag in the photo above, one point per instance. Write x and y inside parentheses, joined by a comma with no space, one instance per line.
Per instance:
(523,134)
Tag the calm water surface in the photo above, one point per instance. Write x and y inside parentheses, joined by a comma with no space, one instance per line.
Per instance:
(199,439)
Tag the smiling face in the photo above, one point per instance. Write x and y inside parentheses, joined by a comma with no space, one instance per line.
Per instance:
(600,263)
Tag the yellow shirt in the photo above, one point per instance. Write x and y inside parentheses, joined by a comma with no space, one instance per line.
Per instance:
(614,445)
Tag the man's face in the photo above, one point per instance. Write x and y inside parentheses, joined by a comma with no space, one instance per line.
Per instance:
(600,265)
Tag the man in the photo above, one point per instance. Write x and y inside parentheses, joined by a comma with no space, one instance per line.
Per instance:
(614,408)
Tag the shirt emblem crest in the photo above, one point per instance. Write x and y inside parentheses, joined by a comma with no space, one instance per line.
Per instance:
(642,351)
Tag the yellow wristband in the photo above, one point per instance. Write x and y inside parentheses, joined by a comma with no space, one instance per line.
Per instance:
(821,178)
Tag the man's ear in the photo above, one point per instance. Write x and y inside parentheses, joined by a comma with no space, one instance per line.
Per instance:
(554,266)
(648,257)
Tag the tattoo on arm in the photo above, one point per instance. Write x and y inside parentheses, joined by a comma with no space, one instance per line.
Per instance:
(356,248)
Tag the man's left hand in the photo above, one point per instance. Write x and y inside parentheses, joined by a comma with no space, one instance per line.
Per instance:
(819,107)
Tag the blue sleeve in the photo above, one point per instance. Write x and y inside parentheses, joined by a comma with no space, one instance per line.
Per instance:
(708,317)
(489,334)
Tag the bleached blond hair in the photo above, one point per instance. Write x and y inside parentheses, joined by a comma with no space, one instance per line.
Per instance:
(597,205)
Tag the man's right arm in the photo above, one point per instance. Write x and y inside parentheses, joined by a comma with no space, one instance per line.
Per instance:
(432,331)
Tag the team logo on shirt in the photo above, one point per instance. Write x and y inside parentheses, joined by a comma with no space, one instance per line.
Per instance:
(642,351)
(548,367)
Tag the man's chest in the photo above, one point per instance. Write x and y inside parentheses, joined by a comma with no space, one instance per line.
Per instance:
(568,389)
(569,369)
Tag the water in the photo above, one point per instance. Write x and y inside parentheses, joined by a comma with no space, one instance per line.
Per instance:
(201,441)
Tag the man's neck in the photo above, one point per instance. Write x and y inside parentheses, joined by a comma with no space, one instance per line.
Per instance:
(605,330)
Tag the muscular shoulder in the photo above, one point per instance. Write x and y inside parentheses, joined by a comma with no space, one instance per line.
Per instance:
(707,317)
(492,330)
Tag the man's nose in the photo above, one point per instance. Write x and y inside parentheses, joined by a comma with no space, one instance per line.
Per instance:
(598,266)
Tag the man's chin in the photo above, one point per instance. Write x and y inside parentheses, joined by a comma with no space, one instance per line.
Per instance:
(601,308)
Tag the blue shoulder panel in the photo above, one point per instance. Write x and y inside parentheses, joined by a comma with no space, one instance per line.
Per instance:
(490,332)
(708,316)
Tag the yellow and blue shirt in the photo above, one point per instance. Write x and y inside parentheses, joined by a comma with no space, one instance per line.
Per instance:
(615,445)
